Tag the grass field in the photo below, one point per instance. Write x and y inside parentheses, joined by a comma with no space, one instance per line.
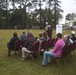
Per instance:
(14,66)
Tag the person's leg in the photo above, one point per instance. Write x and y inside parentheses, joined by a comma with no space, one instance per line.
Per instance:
(47,56)
(50,55)
(24,52)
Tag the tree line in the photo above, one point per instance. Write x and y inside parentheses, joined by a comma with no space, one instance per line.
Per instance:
(27,13)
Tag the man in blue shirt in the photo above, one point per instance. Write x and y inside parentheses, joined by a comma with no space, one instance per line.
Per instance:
(23,36)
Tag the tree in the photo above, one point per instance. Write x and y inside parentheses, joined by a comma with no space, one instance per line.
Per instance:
(57,10)
(70,17)
(74,23)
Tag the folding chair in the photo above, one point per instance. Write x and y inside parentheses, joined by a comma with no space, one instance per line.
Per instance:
(35,49)
(17,47)
(44,45)
(63,55)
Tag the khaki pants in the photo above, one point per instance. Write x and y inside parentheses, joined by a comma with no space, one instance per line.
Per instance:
(24,52)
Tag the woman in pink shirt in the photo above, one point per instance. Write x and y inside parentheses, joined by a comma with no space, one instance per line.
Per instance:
(56,52)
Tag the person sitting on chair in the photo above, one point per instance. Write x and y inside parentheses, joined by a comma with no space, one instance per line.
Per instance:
(67,39)
(28,45)
(11,44)
(56,52)
(40,38)
(23,36)
(45,36)
(73,38)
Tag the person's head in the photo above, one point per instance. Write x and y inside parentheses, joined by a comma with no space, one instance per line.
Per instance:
(30,34)
(65,37)
(69,36)
(40,34)
(23,32)
(45,34)
(73,33)
(59,35)
(15,34)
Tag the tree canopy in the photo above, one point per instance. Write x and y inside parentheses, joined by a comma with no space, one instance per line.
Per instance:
(28,13)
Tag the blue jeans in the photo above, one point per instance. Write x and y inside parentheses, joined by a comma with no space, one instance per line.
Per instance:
(47,57)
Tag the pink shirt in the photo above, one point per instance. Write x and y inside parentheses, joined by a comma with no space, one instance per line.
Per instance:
(58,47)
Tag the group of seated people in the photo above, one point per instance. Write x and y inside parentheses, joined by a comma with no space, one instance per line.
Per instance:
(69,38)
(56,52)
(30,40)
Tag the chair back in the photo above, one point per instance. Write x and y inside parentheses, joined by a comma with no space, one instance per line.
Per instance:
(44,44)
(73,46)
(56,39)
(24,41)
(69,49)
(49,43)
(18,44)
(36,46)
(52,42)
(64,50)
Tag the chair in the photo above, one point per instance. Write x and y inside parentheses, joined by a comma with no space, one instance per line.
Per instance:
(49,44)
(44,45)
(63,55)
(35,49)
(69,49)
(17,47)
(73,47)
(24,41)
(53,42)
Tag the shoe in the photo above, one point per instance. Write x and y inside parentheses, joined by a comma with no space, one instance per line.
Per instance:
(9,55)
(22,58)
(44,65)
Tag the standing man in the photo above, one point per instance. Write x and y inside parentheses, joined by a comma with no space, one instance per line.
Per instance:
(48,29)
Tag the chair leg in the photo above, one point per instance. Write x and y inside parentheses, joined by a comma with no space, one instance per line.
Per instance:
(32,57)
(9,51)
(15,52)
(74,53)
(64,60)
(59,63)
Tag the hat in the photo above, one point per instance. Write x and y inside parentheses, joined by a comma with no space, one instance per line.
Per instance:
(73,32)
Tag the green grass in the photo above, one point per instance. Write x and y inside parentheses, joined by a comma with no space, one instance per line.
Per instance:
(14,66)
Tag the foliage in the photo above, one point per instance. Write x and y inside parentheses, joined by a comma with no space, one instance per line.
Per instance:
(23,11)
(74,23)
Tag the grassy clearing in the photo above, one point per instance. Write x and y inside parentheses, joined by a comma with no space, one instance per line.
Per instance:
(14,66)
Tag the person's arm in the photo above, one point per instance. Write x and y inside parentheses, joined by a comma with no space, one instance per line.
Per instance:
(20,37)
(70,41)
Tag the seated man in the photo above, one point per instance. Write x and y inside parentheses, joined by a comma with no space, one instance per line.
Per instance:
(56,52)
(11,44)
(23,36)
(28,45)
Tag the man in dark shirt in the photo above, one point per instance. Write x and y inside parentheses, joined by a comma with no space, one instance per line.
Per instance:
(49,31)
(28,45)
(11,44)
